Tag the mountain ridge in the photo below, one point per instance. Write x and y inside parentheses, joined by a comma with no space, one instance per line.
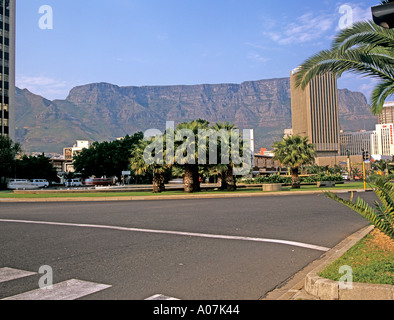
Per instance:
(104,111)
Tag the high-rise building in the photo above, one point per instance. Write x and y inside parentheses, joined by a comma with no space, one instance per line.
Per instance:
(315,113)
(387,115)
(7,65)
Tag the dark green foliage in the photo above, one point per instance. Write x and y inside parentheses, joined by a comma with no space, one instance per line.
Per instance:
(8,151)
(29,167)
(106,158)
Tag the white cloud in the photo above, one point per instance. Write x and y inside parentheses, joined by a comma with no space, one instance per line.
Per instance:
(306,28)
(312,26)
(257,57)
(46,87)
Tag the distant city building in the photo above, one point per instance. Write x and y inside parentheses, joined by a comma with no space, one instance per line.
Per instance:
(287,133)
(354,143)
(70,152)
(383,140)
(387,115)
(7,65)
(315,113)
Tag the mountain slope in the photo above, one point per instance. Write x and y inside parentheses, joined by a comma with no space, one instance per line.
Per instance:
(102,111)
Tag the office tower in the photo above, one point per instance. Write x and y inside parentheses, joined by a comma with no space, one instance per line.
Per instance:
(7,72)
(315,113)
(387,115)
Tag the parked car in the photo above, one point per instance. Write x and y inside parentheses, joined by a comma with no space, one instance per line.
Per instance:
(41,183)
(21,184)
(73,183)
(98,182)
(345,177)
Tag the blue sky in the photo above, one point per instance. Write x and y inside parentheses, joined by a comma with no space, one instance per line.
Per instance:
(170,42)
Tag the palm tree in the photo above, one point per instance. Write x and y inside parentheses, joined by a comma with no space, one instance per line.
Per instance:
(141,167)
(189,161)
(226,170)
(294,151)
(365,49)
(382,216)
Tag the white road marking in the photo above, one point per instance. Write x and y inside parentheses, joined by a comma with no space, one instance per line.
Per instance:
(161,297)
(188,234)
(67,290)
(8,274)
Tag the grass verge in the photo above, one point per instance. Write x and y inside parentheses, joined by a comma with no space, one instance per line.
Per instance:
(10,195)
(371,259)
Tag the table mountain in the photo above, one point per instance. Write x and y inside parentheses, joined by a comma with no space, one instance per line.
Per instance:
(103,111)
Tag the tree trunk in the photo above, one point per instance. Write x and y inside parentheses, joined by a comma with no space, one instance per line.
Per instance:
(222,180)
(196,178)
(295,182)
(158,183)
(188,179)
(230,179)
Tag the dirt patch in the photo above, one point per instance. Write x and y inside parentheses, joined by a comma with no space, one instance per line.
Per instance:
(380,240)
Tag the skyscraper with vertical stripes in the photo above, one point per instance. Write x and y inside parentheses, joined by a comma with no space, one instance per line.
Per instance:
(7,65)
(315,113)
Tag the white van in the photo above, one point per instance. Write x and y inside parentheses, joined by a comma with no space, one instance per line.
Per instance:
(21,184)
(73,183)
(42,183)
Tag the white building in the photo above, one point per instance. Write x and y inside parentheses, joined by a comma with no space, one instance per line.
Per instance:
(382,141)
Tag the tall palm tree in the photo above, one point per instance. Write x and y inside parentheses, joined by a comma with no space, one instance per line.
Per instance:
(189,160)
(365,49)
(294,151)
(139,165)
(226,170)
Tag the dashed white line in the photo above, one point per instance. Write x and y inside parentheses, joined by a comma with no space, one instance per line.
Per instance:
(188,234)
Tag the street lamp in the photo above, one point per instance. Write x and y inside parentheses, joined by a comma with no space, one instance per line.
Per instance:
(383,15)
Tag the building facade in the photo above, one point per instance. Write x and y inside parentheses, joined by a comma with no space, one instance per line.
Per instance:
(7,65)
(387,115)
(383,140)
(315,113)
(354,143)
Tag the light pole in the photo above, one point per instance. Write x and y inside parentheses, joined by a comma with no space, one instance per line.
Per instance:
(349,168)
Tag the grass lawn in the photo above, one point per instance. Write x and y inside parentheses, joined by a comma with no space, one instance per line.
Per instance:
(10,195)
(372,261)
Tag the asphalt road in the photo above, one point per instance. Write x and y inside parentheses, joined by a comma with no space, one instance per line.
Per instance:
(138,263)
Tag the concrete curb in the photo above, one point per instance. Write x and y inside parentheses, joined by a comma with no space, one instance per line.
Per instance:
(307,285)
(179,197)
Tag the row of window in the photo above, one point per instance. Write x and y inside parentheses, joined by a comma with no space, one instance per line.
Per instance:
(4,122)
(4,33)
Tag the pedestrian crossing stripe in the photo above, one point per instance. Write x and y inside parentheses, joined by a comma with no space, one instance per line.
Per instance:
(67,290)
(8,274)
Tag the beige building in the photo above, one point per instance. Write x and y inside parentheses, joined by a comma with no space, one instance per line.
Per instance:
(387,115)
(7,68)
(315,113)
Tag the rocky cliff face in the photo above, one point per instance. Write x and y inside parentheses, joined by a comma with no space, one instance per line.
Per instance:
(103,111)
